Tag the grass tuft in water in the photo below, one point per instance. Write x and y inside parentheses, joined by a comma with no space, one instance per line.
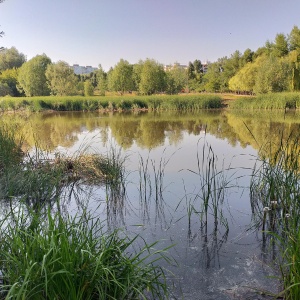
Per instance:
(45,255)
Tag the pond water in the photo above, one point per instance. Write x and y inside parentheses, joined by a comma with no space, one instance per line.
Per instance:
(174,161)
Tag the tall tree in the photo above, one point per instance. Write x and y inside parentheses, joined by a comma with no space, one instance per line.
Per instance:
(191,71)
(273,75)
(280,47)
(294,39)
(10,77)
(32,78)
(120,78)
(11,58)
(61,79)
(153,78)
(247,56)
(177,79)
(198,66)
(101,76)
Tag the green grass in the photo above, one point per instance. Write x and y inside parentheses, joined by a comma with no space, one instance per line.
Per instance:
(286,100)
(45,255)
(110,103)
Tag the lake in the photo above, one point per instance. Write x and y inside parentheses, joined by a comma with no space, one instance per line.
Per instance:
(187,185)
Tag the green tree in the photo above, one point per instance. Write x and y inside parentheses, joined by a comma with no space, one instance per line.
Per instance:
(198,66)
(244,79)
(153,78)
(191,71)
(61,79)
(212,79)
(273,75)
(10,77)
(247,57)
(120,78)
(294,61)
(280,47)
(11,58)
(88,88)
(5,90)
(294,39)
(136,76)
(101,81)
(176,79)
(32,78)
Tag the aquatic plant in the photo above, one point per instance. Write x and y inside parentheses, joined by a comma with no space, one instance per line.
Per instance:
(275,200)
(45,255)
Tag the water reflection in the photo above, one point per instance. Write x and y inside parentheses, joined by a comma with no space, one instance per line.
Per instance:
(164,195)
(153,129)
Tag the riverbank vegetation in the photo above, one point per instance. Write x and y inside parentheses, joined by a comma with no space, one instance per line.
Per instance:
(46,252)
(283,101)
(111,103)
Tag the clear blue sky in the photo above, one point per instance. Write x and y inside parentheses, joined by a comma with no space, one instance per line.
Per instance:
(93,32)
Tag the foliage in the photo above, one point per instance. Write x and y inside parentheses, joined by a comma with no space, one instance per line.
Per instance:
(294,39)
(120,78)
(176,80)
(281,47)
(273,75)
(152,78)
(101,81)
(61,79)
(5,90)
(32,78)
(11,58)
(9,77)
(88,88)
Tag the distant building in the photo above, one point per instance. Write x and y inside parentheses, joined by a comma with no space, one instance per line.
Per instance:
(205,66)
(175,65)
(78,70)
(185,67)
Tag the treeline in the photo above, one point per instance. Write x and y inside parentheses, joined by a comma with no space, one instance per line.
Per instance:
(275,67)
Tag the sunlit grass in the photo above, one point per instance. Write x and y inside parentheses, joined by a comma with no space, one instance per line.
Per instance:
(282,101)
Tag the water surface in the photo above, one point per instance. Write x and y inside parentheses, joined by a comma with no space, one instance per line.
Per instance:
(223,258)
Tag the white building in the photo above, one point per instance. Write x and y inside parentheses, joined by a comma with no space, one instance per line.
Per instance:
(83,70)
(175,65)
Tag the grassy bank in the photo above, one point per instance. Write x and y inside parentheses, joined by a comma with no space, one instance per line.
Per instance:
(267,101)
(111,103)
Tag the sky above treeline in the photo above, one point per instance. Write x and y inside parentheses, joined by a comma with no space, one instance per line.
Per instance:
(94,32)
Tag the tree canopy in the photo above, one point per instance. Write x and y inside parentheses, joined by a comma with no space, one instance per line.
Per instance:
(61,79)
(32,78)
(11,58)
(120,78)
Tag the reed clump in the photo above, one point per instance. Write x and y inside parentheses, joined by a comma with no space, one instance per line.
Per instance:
(283,101)
(111,103)
(45,255)
(275,200)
